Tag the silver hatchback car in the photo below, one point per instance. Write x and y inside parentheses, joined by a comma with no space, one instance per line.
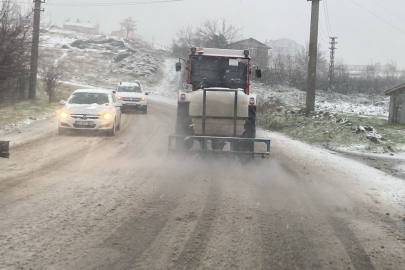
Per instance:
(90,109)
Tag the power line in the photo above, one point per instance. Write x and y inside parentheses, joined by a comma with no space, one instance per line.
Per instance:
(392,13)
(323,35)
(328,17)
(113,4)
(66,4)
(326,20)
(387,22)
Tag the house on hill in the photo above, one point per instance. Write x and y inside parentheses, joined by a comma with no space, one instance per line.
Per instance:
(87,28)
(123,34)
(284,46)
(258,51)
(397,104)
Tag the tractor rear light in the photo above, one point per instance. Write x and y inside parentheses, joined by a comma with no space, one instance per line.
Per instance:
(183,97)
(252,101)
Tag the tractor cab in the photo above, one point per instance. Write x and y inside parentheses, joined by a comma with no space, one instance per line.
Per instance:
(215,107)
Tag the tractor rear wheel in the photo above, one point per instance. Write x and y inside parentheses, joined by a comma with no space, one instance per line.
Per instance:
(250,132)
(184,126)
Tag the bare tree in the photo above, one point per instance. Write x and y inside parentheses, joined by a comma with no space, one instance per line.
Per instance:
(211,33)
(129,24)
(15,33)
(51,74)
(216,33)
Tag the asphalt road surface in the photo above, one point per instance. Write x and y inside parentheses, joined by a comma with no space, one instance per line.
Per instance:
(92,202)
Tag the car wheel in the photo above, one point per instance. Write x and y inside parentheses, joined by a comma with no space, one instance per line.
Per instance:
(111,132)
(145,110)
(118,128)
(62,131)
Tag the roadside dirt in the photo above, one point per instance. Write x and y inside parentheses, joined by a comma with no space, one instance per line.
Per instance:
(91,202)
(392,165)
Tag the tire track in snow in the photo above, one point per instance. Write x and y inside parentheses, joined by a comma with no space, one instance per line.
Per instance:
(190,257)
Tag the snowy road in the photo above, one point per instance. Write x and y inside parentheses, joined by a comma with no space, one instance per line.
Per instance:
(91,202)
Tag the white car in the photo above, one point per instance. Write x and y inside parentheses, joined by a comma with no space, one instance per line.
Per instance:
(90,109)
(131,96)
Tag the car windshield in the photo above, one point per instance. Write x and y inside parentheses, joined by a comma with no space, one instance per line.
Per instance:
(88,98)
(130,89)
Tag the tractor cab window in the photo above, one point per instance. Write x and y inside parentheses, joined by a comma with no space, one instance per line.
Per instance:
(217,71)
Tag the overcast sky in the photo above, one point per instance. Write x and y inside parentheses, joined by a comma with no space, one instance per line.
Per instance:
(363,37)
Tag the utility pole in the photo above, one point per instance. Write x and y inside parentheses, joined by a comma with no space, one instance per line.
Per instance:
(331,75)
(32,92)
(312,58)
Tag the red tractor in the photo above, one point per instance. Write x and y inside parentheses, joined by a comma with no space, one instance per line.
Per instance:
(215,106)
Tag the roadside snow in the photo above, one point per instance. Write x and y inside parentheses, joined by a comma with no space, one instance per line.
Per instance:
(355,103)
(373,186)
(7,128)
(167,89)
(32,131)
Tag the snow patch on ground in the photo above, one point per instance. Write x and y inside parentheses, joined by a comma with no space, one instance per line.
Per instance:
(384,191)
(333,102)
(6,128)
(167,88)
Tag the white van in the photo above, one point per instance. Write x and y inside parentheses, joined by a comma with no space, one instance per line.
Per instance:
(132,97)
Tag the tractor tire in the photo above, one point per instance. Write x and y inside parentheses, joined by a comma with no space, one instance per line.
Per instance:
(250,132)
(184,126)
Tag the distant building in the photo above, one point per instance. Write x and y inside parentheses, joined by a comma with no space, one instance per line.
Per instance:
(284,46)
(356,71)
(123,34)
(397,104)
(374,69)
(87,28)
(258,51)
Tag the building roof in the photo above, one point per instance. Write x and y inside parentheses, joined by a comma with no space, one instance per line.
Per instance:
(84,25)
(283,39)
(397,88)
(250,40)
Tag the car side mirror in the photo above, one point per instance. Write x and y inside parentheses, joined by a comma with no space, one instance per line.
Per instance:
(114,91)
(178,66)
(258,73)
(146,94)
(62,102)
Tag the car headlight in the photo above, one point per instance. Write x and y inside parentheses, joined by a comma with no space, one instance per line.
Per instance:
(142,98)
(64,115)
(118,97)
(107,116)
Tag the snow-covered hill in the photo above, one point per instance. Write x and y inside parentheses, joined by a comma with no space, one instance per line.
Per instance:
(101,61)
